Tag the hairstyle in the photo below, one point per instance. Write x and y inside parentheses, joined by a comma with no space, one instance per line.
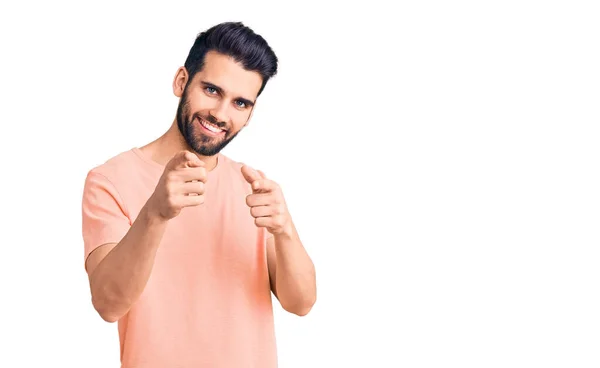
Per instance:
(238,41)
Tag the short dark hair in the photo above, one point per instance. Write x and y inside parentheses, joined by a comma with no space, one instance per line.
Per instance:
(238,41)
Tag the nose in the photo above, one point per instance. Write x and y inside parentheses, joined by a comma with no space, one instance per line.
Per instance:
(219,111)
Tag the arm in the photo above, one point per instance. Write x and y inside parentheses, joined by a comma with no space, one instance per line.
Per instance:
(119,272)
(119,269)
(292,272)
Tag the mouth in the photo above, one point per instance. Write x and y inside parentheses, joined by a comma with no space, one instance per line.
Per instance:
(210,129)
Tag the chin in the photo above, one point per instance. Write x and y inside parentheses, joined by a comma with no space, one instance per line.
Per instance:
(208,150)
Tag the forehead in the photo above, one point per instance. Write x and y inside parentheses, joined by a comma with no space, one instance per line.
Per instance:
(225,72)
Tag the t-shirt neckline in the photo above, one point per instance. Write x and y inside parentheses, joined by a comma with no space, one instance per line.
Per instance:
(138,152)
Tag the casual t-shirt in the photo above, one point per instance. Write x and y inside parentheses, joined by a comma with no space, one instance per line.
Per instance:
(207,302)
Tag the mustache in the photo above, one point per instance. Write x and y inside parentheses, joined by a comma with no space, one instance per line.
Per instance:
(211,119)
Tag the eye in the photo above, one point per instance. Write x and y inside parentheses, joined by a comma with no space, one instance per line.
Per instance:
(211,90)
(239,103)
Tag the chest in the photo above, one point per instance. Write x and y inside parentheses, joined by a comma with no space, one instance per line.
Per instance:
(218,235)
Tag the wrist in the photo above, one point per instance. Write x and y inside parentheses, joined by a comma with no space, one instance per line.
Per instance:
(286,233)
(152,217)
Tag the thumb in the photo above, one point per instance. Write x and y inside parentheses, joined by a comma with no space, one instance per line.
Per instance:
(250,174)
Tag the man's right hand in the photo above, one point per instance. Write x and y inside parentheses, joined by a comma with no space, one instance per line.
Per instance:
(181,185)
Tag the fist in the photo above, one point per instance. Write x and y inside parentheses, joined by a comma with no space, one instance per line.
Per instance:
(181,185)
(267,204)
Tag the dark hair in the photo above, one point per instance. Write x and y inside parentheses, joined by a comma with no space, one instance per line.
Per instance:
(238,41)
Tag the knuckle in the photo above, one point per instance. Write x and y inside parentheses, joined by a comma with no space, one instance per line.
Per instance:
(171,200)
(169,187)
(170,177)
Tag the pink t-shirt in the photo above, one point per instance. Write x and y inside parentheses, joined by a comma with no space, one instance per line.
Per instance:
(207,302)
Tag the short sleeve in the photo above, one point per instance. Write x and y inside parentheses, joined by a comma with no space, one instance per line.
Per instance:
(104,215)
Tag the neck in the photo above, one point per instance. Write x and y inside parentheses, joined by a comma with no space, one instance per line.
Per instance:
(166,146)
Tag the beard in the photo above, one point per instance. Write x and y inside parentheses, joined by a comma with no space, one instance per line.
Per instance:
(201,143)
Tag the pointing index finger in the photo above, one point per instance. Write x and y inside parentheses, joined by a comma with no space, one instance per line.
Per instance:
(263,186)
(249,174)
(186,159)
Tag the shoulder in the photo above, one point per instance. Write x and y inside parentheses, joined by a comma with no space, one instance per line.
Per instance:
(116,169)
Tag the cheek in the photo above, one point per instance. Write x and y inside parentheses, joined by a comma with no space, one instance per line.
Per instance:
(198,102)
(239,119)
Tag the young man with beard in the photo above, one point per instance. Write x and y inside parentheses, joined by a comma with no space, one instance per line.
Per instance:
(183,245)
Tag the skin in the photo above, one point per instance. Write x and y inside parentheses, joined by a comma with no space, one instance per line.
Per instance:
(223,93)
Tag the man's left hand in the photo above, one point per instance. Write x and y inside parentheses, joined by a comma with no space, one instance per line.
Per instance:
(267,204)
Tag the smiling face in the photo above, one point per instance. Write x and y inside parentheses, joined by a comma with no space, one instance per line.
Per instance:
(216,104)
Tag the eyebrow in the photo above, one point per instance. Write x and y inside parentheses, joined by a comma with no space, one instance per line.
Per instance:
(248,102)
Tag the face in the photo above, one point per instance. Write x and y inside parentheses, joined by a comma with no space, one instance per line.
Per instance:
(216,104)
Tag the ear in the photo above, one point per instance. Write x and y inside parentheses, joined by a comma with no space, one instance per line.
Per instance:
(180,80)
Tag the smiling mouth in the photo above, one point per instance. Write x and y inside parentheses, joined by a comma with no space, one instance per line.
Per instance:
(211,128)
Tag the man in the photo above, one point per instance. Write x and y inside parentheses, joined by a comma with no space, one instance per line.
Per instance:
(183,246)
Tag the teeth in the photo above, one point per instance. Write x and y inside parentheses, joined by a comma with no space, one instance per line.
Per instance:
(210,127)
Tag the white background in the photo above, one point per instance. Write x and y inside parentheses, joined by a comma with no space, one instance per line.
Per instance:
(441,160)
